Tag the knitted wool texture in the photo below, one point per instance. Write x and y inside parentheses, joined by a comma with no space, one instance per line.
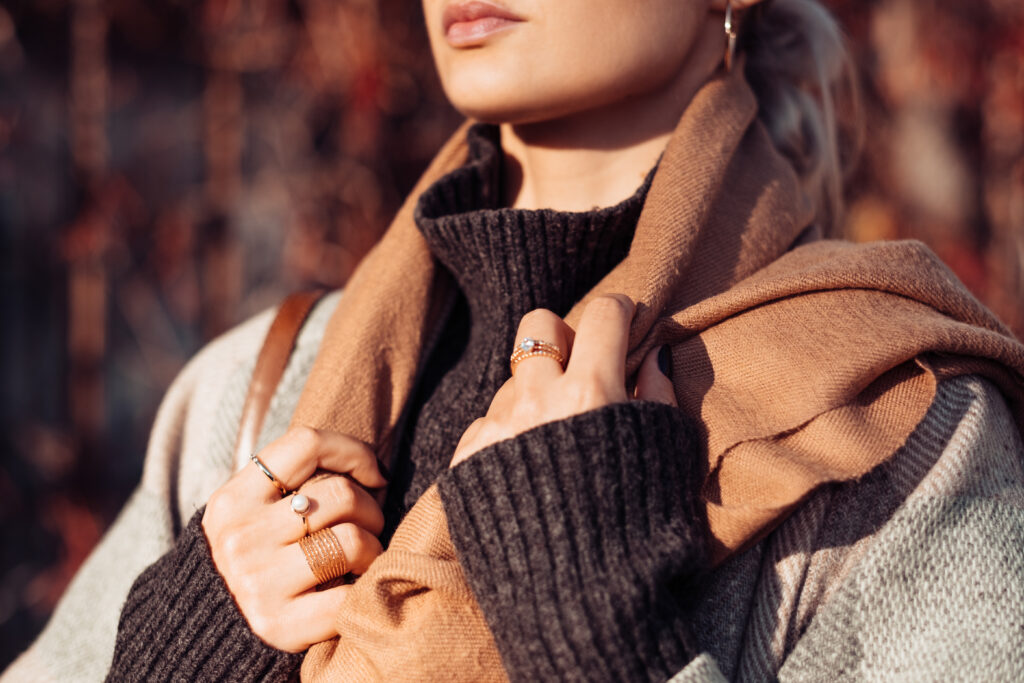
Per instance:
(590,587)
(509,262)
(803,366)
(754,608)
(179,623)
(569,602)
(506,262)
(964,509)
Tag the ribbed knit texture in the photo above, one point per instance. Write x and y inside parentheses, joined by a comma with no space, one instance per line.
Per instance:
(180,623)
(577,538)
(777,358)
(506,262)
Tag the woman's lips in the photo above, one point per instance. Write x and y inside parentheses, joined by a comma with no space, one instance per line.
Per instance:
(470,23)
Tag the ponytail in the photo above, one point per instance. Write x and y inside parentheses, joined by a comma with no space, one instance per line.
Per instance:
(798,65)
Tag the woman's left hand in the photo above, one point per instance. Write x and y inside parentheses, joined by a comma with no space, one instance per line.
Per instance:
(541,391)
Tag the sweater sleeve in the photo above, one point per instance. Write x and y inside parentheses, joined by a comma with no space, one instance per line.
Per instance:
(577,538)
(181,623)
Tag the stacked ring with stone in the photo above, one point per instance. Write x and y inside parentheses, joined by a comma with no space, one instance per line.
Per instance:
(530,348)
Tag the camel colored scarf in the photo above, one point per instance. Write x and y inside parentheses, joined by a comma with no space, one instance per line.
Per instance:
(801,364)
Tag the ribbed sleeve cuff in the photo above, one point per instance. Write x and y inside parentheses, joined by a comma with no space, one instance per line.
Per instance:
(576,537)
(180,623)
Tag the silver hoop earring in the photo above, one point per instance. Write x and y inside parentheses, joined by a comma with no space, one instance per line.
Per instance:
(730,37)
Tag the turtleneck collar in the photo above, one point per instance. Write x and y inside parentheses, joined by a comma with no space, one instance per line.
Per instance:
(506,262)
(510,261)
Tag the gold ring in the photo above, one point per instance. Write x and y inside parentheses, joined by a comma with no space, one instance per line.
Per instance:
(300,506)
(270,475)
(324,555)
(530,348)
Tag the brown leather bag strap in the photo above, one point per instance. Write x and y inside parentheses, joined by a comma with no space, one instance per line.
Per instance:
(270,365)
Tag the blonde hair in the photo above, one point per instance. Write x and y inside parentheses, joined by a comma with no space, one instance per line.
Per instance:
(799,66)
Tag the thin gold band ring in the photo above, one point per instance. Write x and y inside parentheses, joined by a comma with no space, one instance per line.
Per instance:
(270,475)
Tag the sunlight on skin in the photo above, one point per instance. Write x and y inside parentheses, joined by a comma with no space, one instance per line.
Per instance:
(587,91)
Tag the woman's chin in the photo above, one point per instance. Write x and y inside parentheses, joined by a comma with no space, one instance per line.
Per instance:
(518,100)
(513,108)
(496,110)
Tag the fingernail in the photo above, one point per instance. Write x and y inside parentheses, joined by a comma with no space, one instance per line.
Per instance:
(665,361)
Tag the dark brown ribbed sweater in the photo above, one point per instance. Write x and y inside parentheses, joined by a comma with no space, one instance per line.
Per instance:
(576,536)
(506,262)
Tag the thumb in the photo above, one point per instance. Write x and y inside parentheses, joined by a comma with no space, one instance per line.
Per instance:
(653,381)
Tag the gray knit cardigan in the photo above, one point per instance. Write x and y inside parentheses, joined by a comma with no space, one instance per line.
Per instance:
(915,572)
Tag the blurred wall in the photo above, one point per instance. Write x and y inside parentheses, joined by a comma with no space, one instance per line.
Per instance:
(170,167)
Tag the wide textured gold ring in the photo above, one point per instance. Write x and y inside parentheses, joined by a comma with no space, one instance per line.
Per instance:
(535,348)
(324,555)
(270,475)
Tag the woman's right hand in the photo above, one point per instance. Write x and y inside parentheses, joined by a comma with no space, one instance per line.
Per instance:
(253,533)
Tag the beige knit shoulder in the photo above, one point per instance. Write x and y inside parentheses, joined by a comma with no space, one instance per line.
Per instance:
(189,455)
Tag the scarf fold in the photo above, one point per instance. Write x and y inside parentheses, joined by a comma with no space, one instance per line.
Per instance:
(801,365)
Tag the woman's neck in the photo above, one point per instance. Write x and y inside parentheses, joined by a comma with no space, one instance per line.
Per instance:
(598,157)
(574,175)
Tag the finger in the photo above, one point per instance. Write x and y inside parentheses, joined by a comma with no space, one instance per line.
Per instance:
(361,548)
(602,340)
(295,456)
(652,381)
(332,499)
(541,325)
(322,608)
(310,619)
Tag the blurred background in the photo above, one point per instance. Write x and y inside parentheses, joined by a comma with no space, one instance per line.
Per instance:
(170,167)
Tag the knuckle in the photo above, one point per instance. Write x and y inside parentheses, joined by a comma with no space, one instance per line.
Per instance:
(232,545)
(364,456)
(359,549)
(303,437)
(341,494)
(351,540)
(222,506)
(537,315)
(609,308)
(246,587)
(262,623)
